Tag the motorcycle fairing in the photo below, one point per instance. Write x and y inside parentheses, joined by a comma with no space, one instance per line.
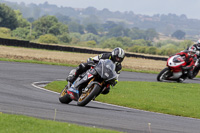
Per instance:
(175,61)
(106,69)
(73,91)
(72,95)
(81,80)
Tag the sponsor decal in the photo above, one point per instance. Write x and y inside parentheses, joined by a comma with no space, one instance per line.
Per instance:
(106,74)
(73,90)
(71,94)
(90,75)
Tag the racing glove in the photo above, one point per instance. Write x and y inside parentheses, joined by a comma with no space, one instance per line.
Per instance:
(116,81)
(90,61)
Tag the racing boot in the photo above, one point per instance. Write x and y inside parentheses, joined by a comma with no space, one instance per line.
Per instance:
(182,78)
(73,75)
(72,78)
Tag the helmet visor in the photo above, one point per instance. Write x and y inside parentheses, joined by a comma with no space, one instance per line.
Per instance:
(118,59)
(192,53)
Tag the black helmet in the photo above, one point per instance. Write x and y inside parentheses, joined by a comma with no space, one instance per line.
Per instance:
(118,55)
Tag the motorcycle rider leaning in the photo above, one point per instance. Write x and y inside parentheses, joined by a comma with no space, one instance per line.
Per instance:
(190,57)
(117,56)
(197,46)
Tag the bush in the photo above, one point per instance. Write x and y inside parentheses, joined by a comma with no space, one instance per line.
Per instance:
(48,38)
(65,38)
(134,48)
(142,49)
(5,32)
(151,50)
(21,33)
(111,43)
(91,43)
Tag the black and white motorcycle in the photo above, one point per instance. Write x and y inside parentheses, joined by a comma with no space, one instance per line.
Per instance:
(89,84)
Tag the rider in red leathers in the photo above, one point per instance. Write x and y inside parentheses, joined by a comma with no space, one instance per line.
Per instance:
(190,57)
(197,46)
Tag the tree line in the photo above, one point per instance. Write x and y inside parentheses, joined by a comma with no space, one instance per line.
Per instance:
(164,23)
(49,29)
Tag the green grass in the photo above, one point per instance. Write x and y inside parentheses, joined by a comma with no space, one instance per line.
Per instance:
(37,62)
(25,124)
(63,64)
(181,99)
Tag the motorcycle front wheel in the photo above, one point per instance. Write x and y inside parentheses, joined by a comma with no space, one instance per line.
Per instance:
(163,74)
(87,96)
(194,73)
(64,97)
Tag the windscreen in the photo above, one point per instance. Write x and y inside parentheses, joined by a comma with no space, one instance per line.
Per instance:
(106,69)
(178,59)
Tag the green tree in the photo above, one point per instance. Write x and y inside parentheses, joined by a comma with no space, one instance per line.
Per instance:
(91,19)
(134,48)
(75,27)
(150,34)
(126,41)
(21,33)
(111,43)
(185,44)
(91,29)
(22,22)
(91,43)
(58,29)
(43,24)
(151,50)
(118,31)
(75,37)
(109,25)
(65,38)
(141,42)
(48,38)
(136,33)
(89,37)
(5,32)
(179,34)
(8,17)
(142,49)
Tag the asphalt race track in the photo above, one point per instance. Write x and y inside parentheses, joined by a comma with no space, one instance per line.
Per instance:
(19,96)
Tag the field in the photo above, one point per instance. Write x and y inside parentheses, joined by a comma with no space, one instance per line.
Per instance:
(75,58)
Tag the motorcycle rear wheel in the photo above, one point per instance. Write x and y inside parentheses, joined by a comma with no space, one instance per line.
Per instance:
(86,97)
(64,97)
(162,75)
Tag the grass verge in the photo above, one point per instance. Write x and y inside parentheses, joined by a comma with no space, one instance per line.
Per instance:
(68,65)
(36,62)
(181,99)
(25,124)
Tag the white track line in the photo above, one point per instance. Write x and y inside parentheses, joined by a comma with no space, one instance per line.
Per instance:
(43,82)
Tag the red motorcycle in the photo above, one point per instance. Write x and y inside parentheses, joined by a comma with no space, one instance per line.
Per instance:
(174,71)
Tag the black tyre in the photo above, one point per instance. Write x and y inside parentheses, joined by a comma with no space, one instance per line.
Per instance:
(163,74)
(64,97)
(86,97)
(194,73)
